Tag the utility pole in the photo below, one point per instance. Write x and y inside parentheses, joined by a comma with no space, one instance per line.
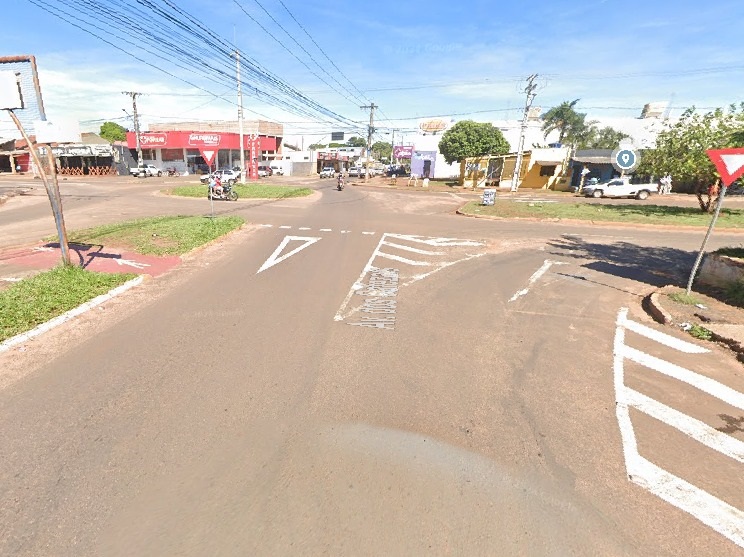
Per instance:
(134,96)
(371,107)
(240,118)
(530,91)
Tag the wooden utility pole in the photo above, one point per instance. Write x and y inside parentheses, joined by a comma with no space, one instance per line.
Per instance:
(371,107)
(140,160)
(530,91)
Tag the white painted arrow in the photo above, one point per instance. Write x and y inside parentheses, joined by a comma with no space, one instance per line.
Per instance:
(135,264)
(274,257)
(733,162)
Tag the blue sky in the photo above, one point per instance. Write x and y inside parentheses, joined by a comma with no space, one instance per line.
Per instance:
(463,59)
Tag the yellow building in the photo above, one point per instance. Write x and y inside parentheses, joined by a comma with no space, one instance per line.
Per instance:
(541,169)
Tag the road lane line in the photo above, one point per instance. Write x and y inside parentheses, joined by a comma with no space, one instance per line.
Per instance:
(304,228)
(285,226)
(274,257)
(358,284)
(700,382)
(368,233)
(403,260)
(413,250)
(441,266)
(535,276)
(663,338)
(711,511)
(326,230)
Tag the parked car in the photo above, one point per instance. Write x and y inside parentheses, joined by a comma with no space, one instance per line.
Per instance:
(621,187)
(145,170)
(399,170)
(277,168)
(328,172)
(226,177)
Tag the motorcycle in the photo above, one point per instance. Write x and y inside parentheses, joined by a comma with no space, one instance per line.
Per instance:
(172,171)
(226,194)
(340,183)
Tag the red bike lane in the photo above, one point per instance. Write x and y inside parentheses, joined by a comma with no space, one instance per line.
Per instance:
(92,257)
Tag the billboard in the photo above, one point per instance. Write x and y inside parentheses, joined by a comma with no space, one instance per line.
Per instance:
(433,125)
(403,151)
(20,82)
(337,136)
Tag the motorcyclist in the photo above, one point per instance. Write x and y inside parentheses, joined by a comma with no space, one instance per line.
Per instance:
(216,184)
(340,179)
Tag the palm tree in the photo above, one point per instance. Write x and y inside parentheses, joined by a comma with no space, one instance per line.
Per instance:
(564,118)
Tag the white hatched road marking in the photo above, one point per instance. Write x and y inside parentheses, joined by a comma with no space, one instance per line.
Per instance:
(722,517)
(535,276)
(433,260)
(274,258)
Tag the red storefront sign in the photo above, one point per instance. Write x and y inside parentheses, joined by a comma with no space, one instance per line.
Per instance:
(195,140)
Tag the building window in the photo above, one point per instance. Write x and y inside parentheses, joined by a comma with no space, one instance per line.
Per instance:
(548,170)
(172,155)
(149,154)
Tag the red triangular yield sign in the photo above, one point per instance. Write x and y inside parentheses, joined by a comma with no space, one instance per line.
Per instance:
(208,155)
(729,163)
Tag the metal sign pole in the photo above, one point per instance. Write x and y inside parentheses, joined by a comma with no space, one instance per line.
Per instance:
(51,189)
(721,195)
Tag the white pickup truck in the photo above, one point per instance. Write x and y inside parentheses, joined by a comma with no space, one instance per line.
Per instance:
(145,170)
(620,187)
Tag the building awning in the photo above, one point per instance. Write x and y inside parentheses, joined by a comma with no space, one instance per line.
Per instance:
(593,160)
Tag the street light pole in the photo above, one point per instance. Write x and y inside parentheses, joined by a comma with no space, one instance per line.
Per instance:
(140,161)
(240,118)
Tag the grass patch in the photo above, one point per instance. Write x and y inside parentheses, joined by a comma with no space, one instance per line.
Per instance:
(731,252)
(35,300)
(244,191)
(158,235)
(700,333)
(636,212)
(684,298)
(734,293)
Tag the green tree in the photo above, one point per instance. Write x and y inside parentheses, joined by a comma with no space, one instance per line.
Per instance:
(571,126)
(382,150)
(316,146)
(472,139)
(680,148)
(605,138)
(356,142)
(111,131)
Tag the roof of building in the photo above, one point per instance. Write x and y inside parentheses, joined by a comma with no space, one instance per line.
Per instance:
(593,156)
(262,127)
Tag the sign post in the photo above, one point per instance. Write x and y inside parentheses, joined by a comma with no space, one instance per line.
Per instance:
(730,166)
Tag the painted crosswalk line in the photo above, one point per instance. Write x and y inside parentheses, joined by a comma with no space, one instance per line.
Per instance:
(719,515)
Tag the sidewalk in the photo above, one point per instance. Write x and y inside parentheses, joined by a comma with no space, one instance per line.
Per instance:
(724,322)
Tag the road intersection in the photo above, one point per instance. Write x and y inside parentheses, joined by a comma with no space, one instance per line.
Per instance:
(236,405)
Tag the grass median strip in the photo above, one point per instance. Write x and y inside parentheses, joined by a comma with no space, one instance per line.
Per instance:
(622,213)
(245,191)
(159,235)
(36,300)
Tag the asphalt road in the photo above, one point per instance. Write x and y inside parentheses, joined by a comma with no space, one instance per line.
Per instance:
(366,373)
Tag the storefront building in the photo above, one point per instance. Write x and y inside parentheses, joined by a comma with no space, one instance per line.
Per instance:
(198,147)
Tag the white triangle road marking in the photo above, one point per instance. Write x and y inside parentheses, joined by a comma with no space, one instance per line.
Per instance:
(733,162)
(274,257)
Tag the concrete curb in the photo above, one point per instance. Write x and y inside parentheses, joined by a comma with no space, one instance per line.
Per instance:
(652,304)
(59,320)
(599,223)
(656,310)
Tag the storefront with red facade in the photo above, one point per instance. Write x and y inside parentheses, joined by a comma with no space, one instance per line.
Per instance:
(201,151)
